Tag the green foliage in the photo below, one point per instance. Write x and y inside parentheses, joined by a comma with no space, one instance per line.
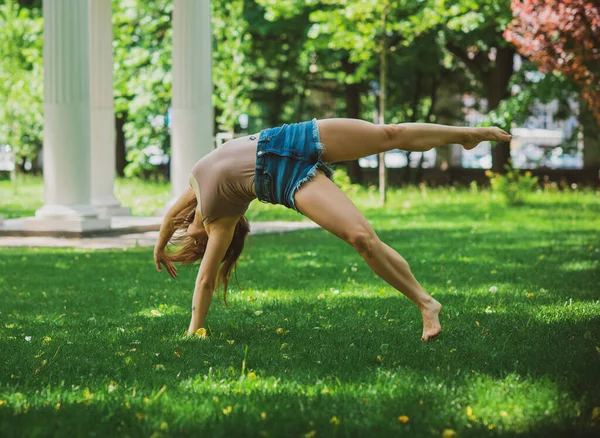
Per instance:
(231,68)
(513,186)
(21,80)
(342,180)
(142,76)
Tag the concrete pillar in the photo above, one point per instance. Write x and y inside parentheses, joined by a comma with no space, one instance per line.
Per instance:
(192,126)
(102,111)
(67,159)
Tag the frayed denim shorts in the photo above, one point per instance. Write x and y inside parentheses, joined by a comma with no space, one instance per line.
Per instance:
(287,157)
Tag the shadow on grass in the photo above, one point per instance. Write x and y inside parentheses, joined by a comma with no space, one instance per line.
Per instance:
(540,329)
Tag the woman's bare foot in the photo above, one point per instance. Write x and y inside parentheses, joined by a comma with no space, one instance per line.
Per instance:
(474,136)
(431,320)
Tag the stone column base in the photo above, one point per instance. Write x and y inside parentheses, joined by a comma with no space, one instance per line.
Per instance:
(70,224)
(109,207)
(73,218)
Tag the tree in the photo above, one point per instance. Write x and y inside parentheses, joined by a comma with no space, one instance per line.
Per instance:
(472,31)
(21,80)
(372,47)
(231,71)
(142,78)
(561,36)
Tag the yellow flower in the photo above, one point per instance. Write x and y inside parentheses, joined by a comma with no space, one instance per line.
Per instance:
(230,342)
(251,375)
(2,402)
(201,333)
(596,413)
(164,425)
(448,433)
(335,420)
(470,414)
(263,416)
(47,339)
(279,331)
(403,419)
(227,410)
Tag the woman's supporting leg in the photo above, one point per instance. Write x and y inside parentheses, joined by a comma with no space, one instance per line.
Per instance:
(350,139)
(323,202)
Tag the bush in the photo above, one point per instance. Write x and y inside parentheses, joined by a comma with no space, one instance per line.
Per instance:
(513,185)
(342,180)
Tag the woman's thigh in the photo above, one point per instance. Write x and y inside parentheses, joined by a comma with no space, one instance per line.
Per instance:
(325,204)
(350,139)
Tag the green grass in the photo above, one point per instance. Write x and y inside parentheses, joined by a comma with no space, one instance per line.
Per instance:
(315,344)
(24,197)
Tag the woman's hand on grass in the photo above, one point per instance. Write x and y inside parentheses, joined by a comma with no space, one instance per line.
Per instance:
(159,258)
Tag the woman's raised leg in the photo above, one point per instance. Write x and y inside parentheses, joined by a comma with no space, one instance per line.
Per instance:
(323,202)
(350,139)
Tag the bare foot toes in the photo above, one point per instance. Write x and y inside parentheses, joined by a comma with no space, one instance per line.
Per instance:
(431,321)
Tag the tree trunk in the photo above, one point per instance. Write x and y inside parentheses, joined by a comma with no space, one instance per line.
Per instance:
(495,82)
(121,153)
(352,97)
(591,137)
(382,96)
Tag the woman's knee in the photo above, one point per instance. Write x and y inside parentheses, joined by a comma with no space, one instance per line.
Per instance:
(394,136)
(363,240)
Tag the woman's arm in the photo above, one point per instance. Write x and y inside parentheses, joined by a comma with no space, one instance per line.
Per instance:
(218,243)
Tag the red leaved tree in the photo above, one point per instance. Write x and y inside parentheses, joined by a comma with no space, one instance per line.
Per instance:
(563,36)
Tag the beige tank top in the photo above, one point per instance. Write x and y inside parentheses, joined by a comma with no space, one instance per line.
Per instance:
(223,180)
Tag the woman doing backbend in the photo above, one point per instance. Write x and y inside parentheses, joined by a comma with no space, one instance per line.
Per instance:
(288,165)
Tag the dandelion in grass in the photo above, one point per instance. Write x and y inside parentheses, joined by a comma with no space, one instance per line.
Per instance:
(493,289)
(201,333)
(335,420)
(403,419)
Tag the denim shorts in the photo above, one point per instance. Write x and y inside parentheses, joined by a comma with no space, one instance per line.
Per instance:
(287,157)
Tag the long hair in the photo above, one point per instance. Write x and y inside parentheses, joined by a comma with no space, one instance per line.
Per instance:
(185,249)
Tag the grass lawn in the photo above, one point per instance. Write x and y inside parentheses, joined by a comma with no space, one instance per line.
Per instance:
(24,197)
(314,344)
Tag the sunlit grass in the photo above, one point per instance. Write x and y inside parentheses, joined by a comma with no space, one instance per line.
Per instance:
(315,344)
(144,198)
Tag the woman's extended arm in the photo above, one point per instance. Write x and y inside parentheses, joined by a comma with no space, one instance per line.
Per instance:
(218,242)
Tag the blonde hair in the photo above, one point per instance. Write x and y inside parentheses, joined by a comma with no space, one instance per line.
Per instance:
(185,249)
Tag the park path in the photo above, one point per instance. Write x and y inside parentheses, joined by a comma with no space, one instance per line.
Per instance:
(129,240)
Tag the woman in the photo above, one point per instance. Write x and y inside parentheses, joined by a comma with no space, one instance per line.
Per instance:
(287,165)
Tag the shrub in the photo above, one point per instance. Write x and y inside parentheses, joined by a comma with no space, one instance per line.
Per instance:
(512,186)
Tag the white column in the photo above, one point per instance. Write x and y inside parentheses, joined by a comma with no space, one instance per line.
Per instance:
(192,127)
(102,111)
(67,205)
